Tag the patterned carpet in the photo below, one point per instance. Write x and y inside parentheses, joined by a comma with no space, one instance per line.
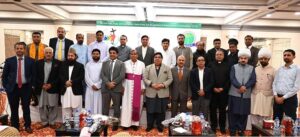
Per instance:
(47,132)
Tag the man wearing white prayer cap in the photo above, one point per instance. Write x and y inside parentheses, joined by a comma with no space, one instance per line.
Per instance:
(243,78)
(262,94)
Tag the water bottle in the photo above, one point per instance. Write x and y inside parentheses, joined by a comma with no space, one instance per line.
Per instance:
(89,119)
(295,128)
(298,126)
(276,129)
(187,122)
(76,120)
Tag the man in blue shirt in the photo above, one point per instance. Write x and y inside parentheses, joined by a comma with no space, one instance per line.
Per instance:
(285,87)
(81,49)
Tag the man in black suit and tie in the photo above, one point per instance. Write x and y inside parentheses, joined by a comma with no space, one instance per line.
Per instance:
(253,60)
(60,44)
(18,80)
(112,75)
(145,52)
(201,82)
(210,56)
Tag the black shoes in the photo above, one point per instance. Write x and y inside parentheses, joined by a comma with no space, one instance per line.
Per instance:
(135,128)
(115,128)
(160,129)
(28,130)
(148,129)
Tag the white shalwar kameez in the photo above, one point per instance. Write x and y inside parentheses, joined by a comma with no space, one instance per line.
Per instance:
(93,98)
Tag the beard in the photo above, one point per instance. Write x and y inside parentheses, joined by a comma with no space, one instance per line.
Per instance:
(71,62)
(80,42)
(96,59)
(180,42)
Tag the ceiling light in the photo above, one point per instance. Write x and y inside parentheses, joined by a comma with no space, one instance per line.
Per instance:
(269,15)
(297,13)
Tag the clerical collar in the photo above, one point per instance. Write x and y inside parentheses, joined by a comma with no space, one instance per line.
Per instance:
(123,46)
(219,62)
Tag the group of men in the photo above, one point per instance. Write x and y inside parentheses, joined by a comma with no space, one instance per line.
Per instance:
(66,72)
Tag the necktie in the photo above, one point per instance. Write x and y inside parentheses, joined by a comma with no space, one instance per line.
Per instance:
(59,54)
(20,73)
(111,69)
(180,75)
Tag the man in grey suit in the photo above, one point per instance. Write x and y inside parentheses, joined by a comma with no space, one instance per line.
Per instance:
(145,52)
(185,51)
(254,51)
(157,78)
(112,75)
(180,88)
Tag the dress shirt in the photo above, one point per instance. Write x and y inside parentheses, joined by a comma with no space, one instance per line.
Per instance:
(124,52)
(62,49)
(201,75)
(22,70)
(169,58)
(287,81)
(144,51)
(82,53)
(103,49)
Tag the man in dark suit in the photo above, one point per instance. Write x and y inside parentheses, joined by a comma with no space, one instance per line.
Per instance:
(71,76)
(220,70)
(254,51)
(180,88)
(18,80)
(212,52)
(47,88)
(60,44)
(201,82)
(112,75)
(232,56)
(145,52)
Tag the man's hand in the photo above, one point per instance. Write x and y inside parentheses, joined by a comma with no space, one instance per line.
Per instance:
(279,100)
(242,89)
(216,90)
(94,88)
(44,87)
(142,91)
(68,83)
(201,93)
(156,86)
(111,85)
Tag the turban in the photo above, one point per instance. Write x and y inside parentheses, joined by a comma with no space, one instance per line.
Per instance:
(244,52)
(264,52)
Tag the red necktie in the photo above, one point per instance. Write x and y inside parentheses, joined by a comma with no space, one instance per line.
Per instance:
(180,75)
(20,73)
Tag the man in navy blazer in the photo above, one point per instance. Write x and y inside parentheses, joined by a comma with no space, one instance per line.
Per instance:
(18,81)
(201,83)
(65,43)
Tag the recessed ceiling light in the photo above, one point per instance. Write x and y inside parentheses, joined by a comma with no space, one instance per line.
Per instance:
(269,15)
(297,13)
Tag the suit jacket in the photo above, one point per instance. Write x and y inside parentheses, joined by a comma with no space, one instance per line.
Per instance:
(148,60)
(118,76)
(254,56)
(187,53)
(68,43)
(77,78)
(207,82)
(164,77)
(53,78)
(9,75)
(180,88)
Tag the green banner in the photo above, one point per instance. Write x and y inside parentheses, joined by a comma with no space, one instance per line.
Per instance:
(182,25)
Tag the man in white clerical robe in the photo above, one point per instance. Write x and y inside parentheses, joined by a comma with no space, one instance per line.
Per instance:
(93,98)
(132,101)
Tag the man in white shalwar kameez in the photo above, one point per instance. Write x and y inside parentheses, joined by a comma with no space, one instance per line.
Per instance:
(93,98)
(133,92)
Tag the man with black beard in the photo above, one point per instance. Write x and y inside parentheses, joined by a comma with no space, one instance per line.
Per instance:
(185,51)
(81,49)
(71,76)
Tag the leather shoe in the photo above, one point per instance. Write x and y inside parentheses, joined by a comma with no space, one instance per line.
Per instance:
(28,130)
(135,128)
(52,126)
(148,129)
(115,128)
(43,126)
(160,129)
(125,128)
